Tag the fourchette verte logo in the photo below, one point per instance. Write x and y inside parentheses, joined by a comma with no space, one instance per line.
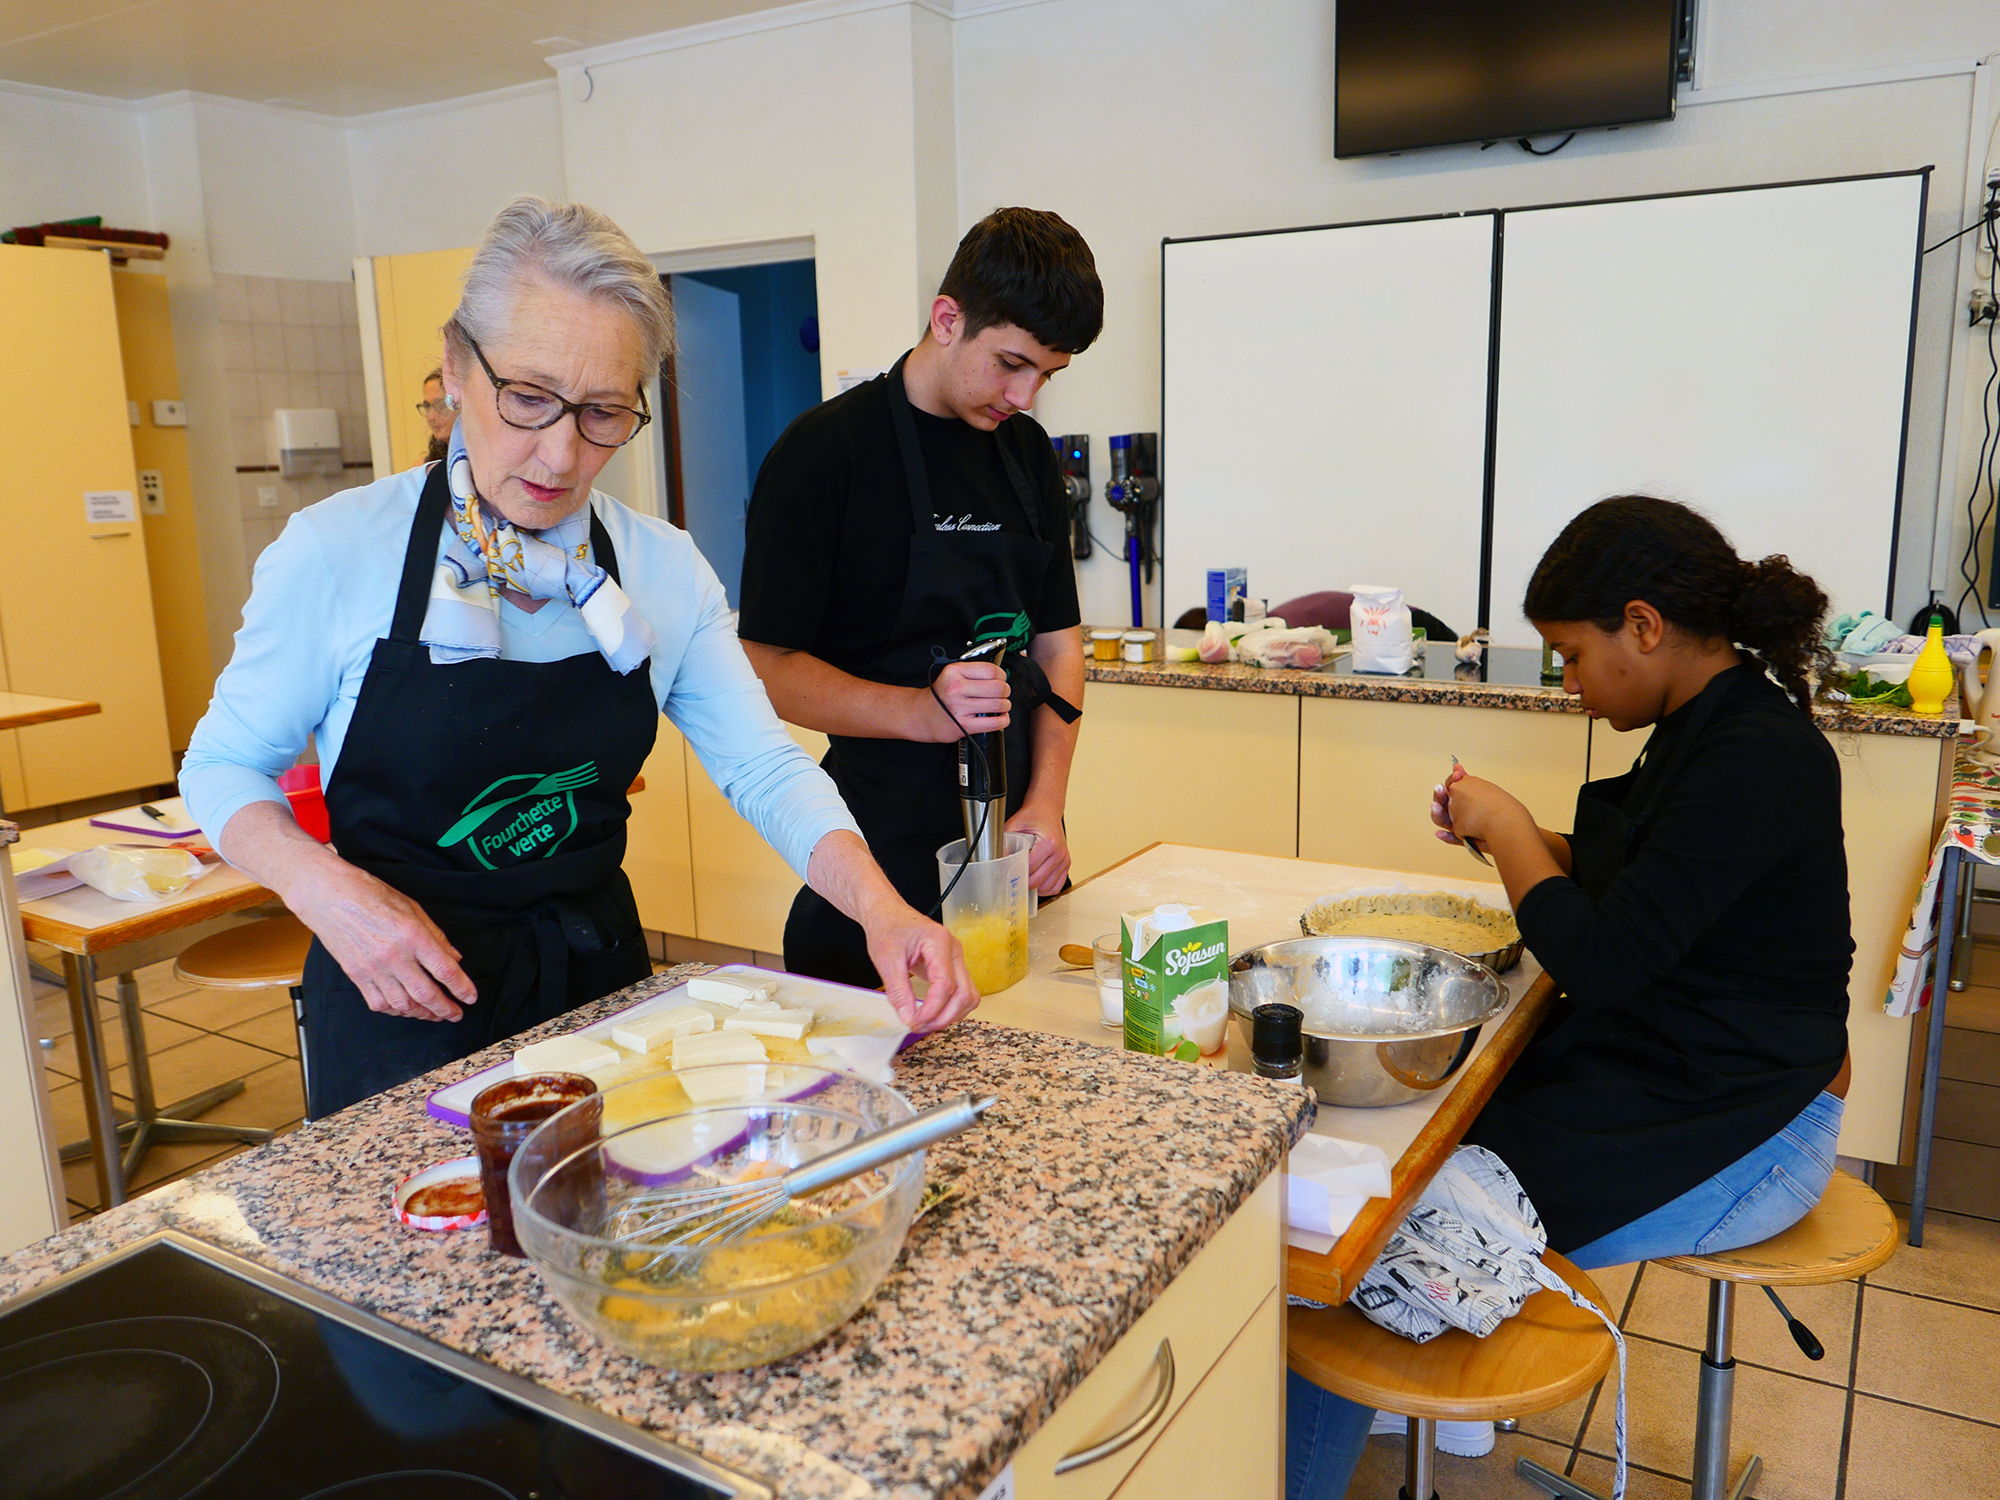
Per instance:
(521,817)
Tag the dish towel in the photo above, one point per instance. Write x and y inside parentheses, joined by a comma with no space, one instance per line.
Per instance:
(1909,987)
(485,551)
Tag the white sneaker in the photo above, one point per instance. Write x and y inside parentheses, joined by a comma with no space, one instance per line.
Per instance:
(1465,1439)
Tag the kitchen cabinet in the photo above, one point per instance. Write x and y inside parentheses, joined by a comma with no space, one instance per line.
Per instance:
(742,889)
(1366,770)
(76,613)
(1217,770)
(1223,1319)
(659,859)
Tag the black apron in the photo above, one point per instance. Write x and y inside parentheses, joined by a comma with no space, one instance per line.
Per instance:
(492,793)
(963,587)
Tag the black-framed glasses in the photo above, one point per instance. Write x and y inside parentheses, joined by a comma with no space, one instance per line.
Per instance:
(531,408)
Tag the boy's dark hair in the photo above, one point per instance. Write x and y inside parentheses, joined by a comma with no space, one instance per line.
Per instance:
(1027,267)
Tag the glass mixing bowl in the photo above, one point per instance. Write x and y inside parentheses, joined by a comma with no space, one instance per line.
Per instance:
(595,1220)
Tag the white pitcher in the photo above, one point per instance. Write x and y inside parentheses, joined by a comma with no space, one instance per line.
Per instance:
(1981,697)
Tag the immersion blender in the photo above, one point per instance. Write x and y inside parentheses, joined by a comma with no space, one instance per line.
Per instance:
(982,777)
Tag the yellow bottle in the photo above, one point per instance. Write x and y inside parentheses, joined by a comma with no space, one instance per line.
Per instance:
(1931,678)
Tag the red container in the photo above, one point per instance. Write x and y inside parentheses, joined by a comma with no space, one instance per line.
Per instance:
(301,788)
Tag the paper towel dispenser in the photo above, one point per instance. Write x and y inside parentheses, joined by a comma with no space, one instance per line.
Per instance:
(305,440)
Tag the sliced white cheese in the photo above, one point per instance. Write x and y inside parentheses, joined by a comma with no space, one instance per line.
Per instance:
(718,990)
(750,1006)
(716,1047)
(786,1023)
(713,1085)
(568,1054)
(642,1034)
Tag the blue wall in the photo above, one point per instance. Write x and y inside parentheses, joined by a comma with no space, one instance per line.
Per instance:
(780,378)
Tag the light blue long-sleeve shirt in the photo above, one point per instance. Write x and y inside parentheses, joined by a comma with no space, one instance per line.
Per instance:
(324,592)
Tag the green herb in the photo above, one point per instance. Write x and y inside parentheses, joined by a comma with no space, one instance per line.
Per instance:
(1862,688)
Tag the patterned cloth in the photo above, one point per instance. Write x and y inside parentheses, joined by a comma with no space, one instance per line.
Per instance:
(486,551)
(1469,1255)
(1972,826)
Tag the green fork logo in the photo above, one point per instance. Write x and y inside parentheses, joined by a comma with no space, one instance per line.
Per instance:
(521,817)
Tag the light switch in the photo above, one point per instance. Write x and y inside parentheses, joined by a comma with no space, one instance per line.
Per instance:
(267,496)
(152,493)
(170,414)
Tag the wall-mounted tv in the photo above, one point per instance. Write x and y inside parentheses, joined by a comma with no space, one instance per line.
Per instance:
(1452,71)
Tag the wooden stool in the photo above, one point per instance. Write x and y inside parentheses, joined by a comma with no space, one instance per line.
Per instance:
(1550,1352)
(263,955)
(1847,1234)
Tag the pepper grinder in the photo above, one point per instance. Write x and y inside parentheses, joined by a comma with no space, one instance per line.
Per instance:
(1277,1045)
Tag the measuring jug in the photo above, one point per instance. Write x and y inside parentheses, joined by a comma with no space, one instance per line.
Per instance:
(988,911)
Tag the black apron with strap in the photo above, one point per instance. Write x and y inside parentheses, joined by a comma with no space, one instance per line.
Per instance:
(492,793)
(962,587)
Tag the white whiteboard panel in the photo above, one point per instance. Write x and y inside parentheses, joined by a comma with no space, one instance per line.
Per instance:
(1324,417)
(1745,352)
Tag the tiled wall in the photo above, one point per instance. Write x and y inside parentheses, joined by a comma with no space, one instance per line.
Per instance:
(289,343)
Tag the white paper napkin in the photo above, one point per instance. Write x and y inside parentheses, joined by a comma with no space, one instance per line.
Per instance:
(1326,1182)
(867,1056)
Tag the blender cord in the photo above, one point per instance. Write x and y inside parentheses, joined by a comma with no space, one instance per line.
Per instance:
(986,771)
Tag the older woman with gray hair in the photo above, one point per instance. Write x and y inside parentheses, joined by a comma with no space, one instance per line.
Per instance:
(480,652)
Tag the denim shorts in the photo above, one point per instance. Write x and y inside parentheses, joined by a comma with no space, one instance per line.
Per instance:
(1749,1200)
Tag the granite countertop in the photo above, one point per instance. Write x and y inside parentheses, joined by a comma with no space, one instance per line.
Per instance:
(1089,1191)
(1454,693)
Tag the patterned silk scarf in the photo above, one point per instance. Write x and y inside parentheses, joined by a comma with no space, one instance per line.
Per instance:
(486,551)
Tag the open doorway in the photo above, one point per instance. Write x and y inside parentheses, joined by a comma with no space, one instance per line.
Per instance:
(746,363)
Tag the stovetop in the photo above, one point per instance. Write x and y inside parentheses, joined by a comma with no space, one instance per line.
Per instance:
(177,1370)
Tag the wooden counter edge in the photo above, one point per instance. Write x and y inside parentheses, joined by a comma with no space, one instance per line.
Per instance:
(60,708)
(1331,1277)
(146,922)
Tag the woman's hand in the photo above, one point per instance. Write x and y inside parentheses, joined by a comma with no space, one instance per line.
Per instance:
(902,944)
(394,953)
(1048,861)
(1466,807)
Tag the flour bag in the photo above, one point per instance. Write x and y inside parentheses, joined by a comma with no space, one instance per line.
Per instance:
(1381,622)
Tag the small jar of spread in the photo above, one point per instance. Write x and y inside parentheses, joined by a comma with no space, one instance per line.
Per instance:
(1142,645)
(1104,644)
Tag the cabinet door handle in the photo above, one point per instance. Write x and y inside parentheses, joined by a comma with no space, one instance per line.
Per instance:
(1163,1397)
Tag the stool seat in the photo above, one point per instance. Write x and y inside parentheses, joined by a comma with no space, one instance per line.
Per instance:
(265,954)
(1847,1234)
(1550,1352)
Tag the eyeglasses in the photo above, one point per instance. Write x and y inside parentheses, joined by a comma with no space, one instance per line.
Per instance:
(531,408)
(432,408)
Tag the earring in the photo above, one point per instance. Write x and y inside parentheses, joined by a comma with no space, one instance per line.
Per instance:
(450,401)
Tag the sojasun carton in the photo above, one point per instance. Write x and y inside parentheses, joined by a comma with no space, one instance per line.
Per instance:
(1176,966)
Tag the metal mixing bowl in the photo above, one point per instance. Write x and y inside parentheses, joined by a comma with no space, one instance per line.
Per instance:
(1386,1021)
(579,1215)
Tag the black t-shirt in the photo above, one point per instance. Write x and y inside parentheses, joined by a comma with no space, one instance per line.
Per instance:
(1708,984)
(824,561)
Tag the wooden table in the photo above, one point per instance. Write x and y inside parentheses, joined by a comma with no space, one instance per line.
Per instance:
(94,933)
(1262,896)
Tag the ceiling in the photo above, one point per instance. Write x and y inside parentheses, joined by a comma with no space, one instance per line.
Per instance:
(336,57)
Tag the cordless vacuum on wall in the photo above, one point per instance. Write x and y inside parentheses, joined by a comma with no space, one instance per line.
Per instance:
(1134,488)
(1073,458)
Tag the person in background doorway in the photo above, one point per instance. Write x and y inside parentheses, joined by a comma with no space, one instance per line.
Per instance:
(438,416)
(1684,1095)
(481,651)
(900,523)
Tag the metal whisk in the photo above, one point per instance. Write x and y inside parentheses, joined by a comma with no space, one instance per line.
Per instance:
(679,1220)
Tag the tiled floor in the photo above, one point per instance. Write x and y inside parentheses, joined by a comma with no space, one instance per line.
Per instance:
(1905,1403)
(196,1039)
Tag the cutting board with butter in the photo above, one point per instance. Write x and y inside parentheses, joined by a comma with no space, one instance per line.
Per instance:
(836,1010)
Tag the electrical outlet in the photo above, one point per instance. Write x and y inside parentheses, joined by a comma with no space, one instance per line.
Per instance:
(170,414)
(152,493)
(267,496)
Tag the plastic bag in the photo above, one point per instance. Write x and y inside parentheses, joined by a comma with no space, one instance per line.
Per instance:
(1306,648)
(136,874)
(1382,638)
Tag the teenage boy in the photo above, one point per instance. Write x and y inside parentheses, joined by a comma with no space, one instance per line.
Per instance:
(899,524)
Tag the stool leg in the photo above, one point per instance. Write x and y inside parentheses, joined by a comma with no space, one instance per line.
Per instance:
(1558,1485)
(1718,1388)
(160,1125)
(1420,1460)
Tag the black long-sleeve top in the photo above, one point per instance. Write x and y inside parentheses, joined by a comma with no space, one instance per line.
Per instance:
(1705,991)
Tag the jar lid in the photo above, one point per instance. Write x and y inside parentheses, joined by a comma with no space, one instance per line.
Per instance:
(1275,1033)
(443,1197)
(1107,635)
(1138,635)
